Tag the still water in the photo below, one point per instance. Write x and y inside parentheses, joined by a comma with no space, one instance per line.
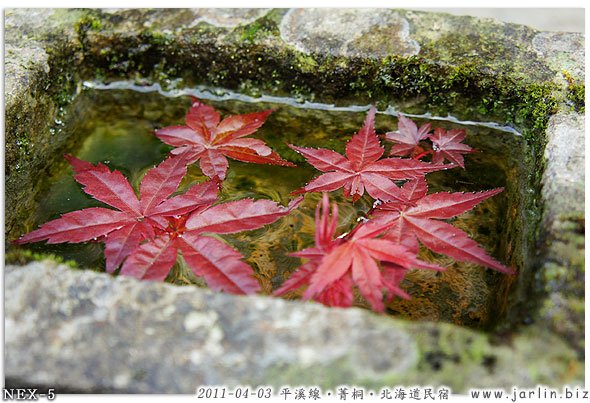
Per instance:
(116,127)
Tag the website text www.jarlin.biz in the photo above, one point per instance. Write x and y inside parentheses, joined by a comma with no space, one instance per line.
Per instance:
(540,392)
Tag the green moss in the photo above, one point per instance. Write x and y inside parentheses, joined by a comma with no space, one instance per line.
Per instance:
(576,93)
(329,376)
(454,357)
(306,63)
(452,74)
(33,130)
(33,136)
(561,280)
(159,38)
(464,87)
(89,22)
(324,376)
(254,30)
(264,27)
(23,143)
(21,257)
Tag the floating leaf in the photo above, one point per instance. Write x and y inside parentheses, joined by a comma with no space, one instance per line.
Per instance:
(208,257)
(136,219)
(208,141)
(407,137)
(447,145)
(419,220)
(361,169)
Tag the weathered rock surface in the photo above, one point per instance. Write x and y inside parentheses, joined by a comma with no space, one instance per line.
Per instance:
(229,17)
(87,331)
(561,50)
(564,176)
(349,32)
(32,80)
(562,275)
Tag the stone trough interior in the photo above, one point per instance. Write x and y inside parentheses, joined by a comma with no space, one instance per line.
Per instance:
(403,62)
(117,125)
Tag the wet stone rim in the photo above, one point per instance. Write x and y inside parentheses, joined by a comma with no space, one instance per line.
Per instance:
(32,101)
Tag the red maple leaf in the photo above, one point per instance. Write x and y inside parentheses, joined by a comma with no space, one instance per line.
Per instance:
(361,169)
(408,137)
(147,233)
(448,145)
(339,293)
(417,219)
(135,219)
(208,141)
(217,262)
(335,265)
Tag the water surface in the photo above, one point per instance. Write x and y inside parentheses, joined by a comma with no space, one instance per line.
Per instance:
(116,127)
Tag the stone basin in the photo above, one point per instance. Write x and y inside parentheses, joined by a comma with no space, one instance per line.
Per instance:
(70,328)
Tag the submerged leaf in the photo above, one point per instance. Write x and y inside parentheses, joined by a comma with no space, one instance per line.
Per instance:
(336,265)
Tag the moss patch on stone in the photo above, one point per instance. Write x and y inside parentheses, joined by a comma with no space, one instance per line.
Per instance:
(456,358)
(23,256)
(576,93)
(261,29)
(33,131)
(462,89)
